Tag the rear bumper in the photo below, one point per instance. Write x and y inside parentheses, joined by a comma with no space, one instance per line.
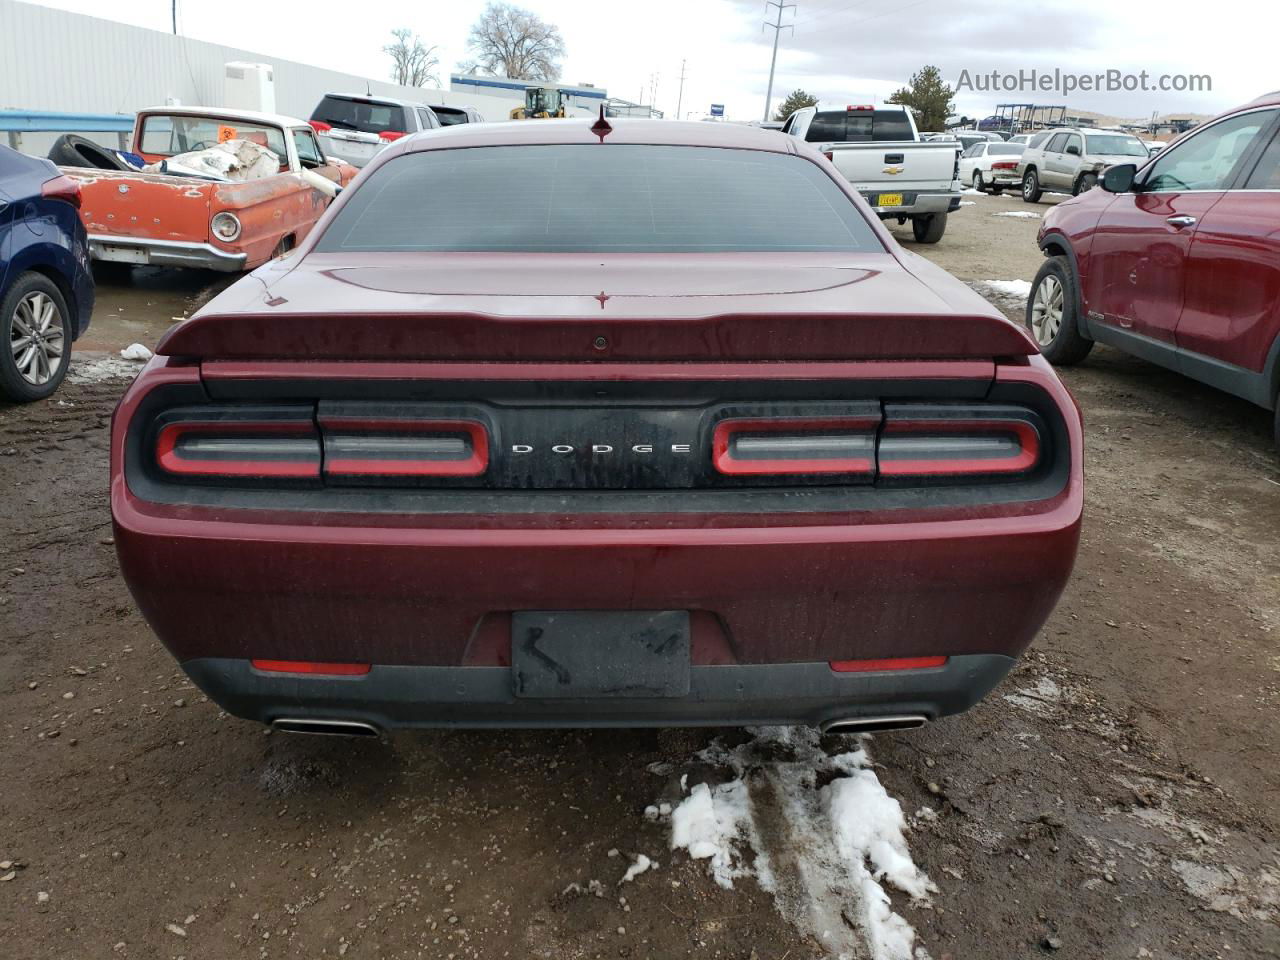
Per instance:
(922,203)
(390,697)
(145,251)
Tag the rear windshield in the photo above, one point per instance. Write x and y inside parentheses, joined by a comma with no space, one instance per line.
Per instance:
(855,126)
(450,115)
(1114,145)
(588,198)
(167,136)
(367,116)
(1004,149)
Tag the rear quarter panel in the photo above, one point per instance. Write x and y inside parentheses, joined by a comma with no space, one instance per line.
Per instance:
(269,209)
(155,206)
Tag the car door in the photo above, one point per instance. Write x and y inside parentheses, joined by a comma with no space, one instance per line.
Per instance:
(1136,267)
(1062,162)
(968,163)
(1231,305)
(1050,158)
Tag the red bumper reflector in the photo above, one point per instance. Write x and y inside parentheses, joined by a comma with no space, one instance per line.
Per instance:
(307,666)
(892,663)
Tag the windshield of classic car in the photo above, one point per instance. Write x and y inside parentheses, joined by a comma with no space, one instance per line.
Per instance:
(167,136)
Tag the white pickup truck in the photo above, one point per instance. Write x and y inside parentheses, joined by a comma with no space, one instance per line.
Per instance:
(879,151)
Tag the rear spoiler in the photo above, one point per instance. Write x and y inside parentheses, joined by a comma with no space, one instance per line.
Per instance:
(479,337)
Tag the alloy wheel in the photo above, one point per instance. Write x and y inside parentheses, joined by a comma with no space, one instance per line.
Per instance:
(1046,310)
(37,338)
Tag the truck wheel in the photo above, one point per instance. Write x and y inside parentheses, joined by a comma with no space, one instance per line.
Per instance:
(1053,316)
(35,327)
(929,229)
(977,181)
(1031,187)
(1086,183)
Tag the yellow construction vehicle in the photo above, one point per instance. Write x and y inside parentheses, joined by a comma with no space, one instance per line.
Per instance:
(540,103)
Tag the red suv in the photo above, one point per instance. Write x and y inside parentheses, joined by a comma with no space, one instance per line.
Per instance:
(1176,261)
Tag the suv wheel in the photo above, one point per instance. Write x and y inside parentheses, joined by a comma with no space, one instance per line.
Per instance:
(1031,187)
(930,228)
(978,184)
(35,335)
(1086,183)
(1053,316)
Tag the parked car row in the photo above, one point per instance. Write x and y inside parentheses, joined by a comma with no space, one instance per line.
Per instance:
(353,128)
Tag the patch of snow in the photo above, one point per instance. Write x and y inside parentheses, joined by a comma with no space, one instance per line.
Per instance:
(1041,698)
(972,192)
(826,853)
(709,825)
(967,203)
(136,351)
(97,369)
(1018,214)
(1016,290)
(641,864)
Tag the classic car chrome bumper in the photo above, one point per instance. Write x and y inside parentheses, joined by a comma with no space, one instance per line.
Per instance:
(145,251)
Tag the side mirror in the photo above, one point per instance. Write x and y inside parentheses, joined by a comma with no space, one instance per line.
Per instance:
(1073,150)
(1119,179)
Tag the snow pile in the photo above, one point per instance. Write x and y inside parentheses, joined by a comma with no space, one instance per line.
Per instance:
(639,866)
(708,824)
(972,192)
(824,852)
(1014,292)
(1019,214)
(136,351)
(97,369)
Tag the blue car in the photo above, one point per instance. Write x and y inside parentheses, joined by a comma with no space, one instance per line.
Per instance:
(46,286)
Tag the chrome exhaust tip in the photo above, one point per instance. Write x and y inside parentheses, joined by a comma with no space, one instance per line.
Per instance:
(874,724)
(331,728)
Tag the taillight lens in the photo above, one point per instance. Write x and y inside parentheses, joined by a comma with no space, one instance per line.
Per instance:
(942,442)
(62,188)
(890,663)
(245,449)
(1004,165)
(793,445)
(390,135)
(312,668)
(319,126)
(365,447)
(830,155)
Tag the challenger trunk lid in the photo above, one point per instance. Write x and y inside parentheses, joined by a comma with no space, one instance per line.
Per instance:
(504,307)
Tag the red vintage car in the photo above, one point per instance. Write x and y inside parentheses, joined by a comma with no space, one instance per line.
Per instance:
(156,218)
(1176,261)
(677,434)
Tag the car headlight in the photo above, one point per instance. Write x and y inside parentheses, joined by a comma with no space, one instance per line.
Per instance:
(225,226)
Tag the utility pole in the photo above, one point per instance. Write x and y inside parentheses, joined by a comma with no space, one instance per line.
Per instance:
(173,12)
(680,98)
(777,31)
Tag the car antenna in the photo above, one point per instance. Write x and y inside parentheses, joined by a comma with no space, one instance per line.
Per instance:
(601,128)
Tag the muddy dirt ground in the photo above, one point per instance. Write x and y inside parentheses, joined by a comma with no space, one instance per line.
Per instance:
(1117,797)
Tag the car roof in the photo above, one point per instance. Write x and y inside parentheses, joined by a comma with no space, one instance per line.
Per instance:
(250,116)
(1271,99)
(377,98)
(689,133)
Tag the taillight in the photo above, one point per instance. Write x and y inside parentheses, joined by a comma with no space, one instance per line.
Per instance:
(62,188)
(390,135)
(312,668)
(371,447)
(319,126)
(795,445)
(830,155)
(891,663)
(919,441)
(860,106)
(240,447)
(1004,165)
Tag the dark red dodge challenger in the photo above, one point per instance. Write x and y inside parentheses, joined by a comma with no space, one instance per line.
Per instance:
(562,424)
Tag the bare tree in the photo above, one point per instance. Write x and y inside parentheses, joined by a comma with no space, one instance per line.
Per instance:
(512,42)
(412,64)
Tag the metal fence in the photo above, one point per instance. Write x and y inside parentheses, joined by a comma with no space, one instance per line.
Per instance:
(17,122)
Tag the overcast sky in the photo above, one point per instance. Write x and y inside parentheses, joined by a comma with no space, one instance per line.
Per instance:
(843,52)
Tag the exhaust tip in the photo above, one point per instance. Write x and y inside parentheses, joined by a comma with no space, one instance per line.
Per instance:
(874,724)
(330,728)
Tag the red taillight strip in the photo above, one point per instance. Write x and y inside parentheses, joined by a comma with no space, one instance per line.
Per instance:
(473,465)
(895,466)
(891,663)
(62,188)
(312,667)
(169,458)
(726,463)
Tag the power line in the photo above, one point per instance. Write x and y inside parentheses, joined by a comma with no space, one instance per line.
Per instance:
(777,32)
